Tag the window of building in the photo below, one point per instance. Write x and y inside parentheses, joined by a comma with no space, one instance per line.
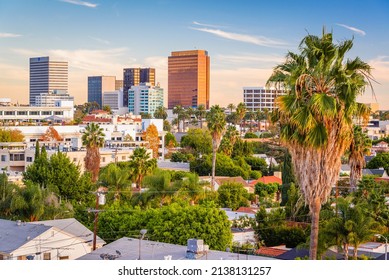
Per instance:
(9,113)
(63,257)
(46,113)
(46,256)
(34,113)
(29,159)
(22,113)
(3,158)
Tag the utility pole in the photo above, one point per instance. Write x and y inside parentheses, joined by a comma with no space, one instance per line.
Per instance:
(100,200)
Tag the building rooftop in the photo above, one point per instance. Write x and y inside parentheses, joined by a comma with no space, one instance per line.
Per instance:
(128,249)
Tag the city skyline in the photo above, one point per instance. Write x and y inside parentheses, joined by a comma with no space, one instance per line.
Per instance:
(244,39)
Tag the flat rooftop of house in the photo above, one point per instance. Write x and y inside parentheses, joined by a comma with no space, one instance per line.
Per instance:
(128,249)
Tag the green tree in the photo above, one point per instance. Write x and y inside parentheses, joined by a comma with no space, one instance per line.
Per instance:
(381,160)
(142,164)
(27,203)
(38,172)
(180,112)
(174,223)
(232,195)
(115,178)
(200,113)
(241,112)
(93,139)
(360,146)
(228,141)
(170,140)
(216,123)
(350,227)
(316,114)
(11,135)
(160,113)
(198,140)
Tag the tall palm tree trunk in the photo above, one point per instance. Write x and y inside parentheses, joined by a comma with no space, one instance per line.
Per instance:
(315,207)
(214,148)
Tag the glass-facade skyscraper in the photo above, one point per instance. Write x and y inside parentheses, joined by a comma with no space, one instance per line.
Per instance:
(47,76)
(135,76)
(99,84)
(188,79)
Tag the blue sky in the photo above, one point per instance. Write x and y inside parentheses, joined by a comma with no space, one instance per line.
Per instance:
(245,39)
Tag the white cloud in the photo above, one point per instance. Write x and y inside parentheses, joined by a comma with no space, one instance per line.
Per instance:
(207,25)
(99,40)
(81,3)
(9,35)
(356,30)
(256,40)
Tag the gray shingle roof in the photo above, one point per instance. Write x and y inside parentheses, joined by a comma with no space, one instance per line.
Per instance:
(13,235)
(73,227)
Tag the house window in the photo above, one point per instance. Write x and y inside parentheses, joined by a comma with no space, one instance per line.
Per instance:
(3,158)
(46,256)
(123,157)
(63,257)
(103,159)
(22,258)
(29,159)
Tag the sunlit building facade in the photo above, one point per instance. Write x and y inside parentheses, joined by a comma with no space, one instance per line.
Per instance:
(188,79)
(134,77)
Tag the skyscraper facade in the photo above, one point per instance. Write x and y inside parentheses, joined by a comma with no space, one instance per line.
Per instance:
(97,85)
(135,76)
(144,98)
(47,76)
(188,79)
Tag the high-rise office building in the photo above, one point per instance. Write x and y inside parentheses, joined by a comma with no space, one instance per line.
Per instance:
(47,76)
(260,98)
(97,85)
(135,76)
(188,79)
(144,98)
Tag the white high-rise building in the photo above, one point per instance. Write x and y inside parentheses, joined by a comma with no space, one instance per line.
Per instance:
(46,76)
(144,99)
(260,98)
(50,99)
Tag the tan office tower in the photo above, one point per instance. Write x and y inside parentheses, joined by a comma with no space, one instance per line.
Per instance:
(188,79)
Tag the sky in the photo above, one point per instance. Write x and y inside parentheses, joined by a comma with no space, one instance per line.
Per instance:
(245,39)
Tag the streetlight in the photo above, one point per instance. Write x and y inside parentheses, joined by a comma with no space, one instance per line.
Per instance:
(142,235)
(386,244)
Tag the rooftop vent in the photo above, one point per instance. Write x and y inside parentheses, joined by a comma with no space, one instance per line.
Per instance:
(196,249)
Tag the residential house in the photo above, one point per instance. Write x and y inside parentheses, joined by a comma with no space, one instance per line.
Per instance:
(46,240)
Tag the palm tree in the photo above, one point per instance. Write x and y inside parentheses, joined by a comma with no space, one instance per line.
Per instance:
(160,113)
(231,107)
(216,122)
(142,164)
(200,114)
(241,112)
(316,115)
(180,112)
(351,226)
(93,139)
(114,177)
(360,146)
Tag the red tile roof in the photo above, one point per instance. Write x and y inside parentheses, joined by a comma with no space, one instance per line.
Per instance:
(267,180)
(94,119)
(270,252)
(246,210)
